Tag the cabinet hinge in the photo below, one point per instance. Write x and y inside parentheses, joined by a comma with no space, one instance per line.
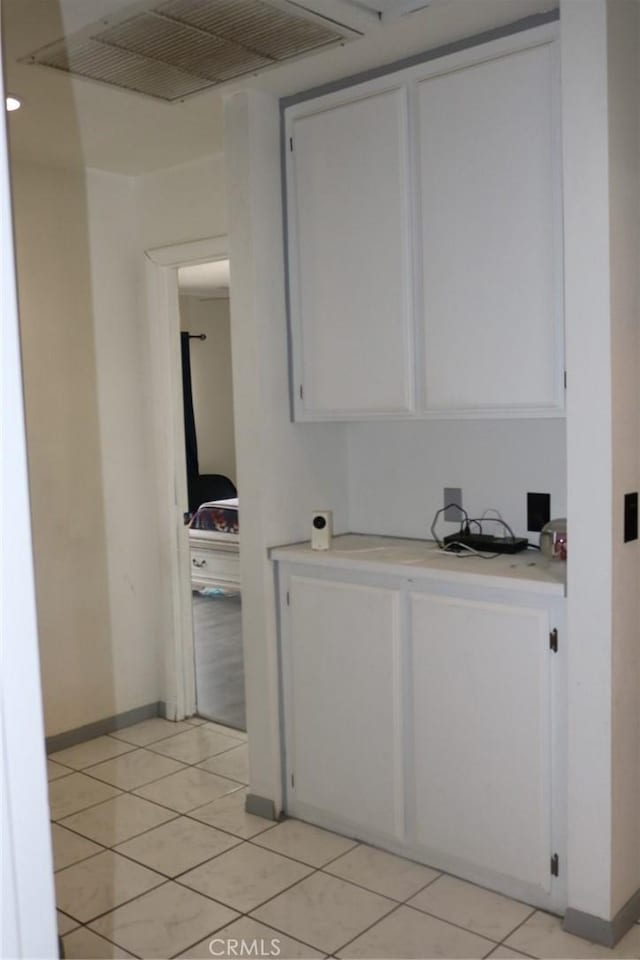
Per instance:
(288,599)
(291,144)
(553,640)
(565,379)
(555,865)
(293,781)
(301,392)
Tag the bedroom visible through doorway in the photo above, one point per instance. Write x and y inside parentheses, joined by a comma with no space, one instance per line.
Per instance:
(213,515)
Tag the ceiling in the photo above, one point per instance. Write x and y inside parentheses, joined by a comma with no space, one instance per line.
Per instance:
(75,122)
(204,279)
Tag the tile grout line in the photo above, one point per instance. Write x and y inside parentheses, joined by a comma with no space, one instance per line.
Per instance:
(192,765)
(397,903)
(313,870)
(261,903)
(384,916)
(170,736)
(452,923)
(355,883)
(248,916)
(123,753)
(147,783)
(176,816)
(148,747)
(167,880)
(130,792)
(105,913)
(109,846)
(190,816)
(175,879)
(503,942)
(240,841)
(89,806)
(85,926)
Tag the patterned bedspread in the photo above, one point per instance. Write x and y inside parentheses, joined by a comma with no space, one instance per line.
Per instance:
(219,515)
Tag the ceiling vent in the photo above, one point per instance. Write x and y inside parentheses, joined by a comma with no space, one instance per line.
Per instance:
(175,48)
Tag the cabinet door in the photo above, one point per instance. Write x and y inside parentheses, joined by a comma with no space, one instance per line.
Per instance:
(349,259)
(343,718)
(481,735)
(489,161)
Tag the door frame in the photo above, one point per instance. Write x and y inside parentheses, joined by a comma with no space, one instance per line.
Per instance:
(167,409)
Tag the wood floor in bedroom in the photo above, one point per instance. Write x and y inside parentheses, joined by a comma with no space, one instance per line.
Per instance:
(217,630)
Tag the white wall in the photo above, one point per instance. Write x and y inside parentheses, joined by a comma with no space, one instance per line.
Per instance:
(98,543)
(588,340)
(183,203)
(285,470)
(78,289)
(212,382)
(174,206)
(124,404)
(398,471)
(600,140)
(623,52)
(27,919)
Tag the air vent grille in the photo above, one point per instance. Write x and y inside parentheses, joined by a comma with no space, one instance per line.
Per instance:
(176,48)
(253,24)
(121,68)
(193,51)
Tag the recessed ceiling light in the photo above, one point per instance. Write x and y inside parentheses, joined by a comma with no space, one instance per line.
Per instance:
(13,103)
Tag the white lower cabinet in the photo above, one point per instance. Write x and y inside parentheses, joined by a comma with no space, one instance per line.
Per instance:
(342,674)
(427,718)
(481,735)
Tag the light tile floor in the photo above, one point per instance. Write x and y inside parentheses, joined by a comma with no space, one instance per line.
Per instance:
(155,858)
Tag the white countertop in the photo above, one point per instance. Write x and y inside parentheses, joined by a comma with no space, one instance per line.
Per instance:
(422,558)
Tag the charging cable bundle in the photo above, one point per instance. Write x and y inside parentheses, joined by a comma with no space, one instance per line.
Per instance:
(471,540)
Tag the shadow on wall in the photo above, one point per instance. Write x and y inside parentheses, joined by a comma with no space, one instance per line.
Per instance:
(63,436)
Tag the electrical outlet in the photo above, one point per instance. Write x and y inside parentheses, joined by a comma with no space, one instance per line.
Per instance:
(538,511)
(453,495)
(630,517)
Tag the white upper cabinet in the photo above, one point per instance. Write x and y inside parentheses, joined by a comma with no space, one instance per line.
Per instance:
(490,238)
(349,236)
(425,240)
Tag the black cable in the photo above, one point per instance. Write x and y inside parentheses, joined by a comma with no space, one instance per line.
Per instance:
(435,520)
(458,547)
(495,520)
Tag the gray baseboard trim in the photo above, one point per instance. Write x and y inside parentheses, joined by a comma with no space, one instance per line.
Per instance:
(260,807)
(60,741)
(605,932)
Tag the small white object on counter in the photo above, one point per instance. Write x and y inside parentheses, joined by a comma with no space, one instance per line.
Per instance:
(321,529)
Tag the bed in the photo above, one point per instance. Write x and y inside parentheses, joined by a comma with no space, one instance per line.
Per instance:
(214,543)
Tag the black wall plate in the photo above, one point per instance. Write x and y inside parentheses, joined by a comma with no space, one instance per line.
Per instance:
(538,511)
(630,517)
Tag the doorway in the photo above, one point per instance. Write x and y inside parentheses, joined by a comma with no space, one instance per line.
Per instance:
(213,515)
